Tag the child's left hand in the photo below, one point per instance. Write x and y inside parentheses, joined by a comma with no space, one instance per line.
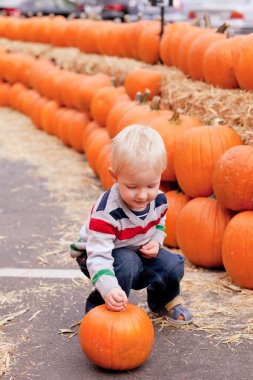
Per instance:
(150,250)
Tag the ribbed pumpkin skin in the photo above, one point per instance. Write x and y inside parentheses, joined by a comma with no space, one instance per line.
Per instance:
(116,340)
(200,229)
(237,249)
(176,201)
(233,178)
(197,153)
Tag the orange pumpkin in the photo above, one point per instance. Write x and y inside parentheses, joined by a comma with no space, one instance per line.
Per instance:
(103,100)
(116,340)
(76,128)
(5,90)
(116,113)
(237,249)
(199,230)
(102,166)
(150,37)
(197,152)
(185,44)
(233,178)
(171,127)
(218,66)
(48,116)
(243,63)
(140,79)
(176,201)
(135,33)
(166,43)
(88,87)
(90,128)
(198,50)
(95,143)
(63,122)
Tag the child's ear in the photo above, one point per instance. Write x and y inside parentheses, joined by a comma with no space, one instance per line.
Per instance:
(113,175)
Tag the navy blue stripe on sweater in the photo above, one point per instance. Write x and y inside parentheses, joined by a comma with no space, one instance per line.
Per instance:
(103,202)
(118,213)
(160,200)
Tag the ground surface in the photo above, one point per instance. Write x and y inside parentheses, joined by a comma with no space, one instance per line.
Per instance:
(46,191)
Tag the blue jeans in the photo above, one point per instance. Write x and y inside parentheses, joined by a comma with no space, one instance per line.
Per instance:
(160,275)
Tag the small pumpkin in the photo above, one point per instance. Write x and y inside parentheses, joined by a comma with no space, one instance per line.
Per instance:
(237,248)
(116,340)
(140,79)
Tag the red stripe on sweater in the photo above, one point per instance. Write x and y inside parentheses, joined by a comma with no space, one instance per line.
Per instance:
(101,226)
(128,233)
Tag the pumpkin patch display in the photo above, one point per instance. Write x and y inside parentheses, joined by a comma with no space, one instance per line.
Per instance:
(237,250)
(199,230)
(116,340)
(233,178)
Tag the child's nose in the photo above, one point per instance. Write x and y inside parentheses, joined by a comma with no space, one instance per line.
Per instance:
(142,194)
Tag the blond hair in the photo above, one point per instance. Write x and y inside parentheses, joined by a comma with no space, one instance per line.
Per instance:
(138,147)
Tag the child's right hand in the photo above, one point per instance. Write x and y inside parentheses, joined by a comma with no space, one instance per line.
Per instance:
(116,299)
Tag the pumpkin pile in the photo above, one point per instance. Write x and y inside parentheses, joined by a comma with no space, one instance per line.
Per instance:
(208,180)
(206,54)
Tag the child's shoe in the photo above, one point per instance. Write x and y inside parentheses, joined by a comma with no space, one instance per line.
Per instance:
(175,312)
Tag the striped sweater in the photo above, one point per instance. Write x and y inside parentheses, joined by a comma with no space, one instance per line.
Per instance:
(112,225)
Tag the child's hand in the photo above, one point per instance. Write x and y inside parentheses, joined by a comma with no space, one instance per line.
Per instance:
(150,250)
(116,299)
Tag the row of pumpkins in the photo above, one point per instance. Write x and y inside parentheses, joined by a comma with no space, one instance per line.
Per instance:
(86,112)
(205,54)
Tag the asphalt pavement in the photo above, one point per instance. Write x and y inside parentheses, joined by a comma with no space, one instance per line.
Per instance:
(44,328)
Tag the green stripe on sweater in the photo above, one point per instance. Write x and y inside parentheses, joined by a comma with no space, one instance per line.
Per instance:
(162,228)
(100,273)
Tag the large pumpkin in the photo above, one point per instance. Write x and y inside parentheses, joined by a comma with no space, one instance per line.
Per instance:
(200,229)
(197,152)
(116,340)
(237,249)
(233,178)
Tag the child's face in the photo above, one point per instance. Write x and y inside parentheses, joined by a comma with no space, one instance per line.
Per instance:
(138,188)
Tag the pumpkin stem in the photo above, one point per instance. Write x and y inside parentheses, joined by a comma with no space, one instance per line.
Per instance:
(155,103)
(195,22)
(114,81)
(207,20)
(139,97)
(230,33)
(223,28)
(146,95)
(175,118)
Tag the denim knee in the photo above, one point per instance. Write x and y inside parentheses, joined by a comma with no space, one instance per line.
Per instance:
(127,266)
(173,265)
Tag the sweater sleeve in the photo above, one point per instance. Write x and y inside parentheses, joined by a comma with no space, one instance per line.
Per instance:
(99,246)
(159,234)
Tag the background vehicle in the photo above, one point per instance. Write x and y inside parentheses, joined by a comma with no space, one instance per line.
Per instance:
(239,14)
(171,13)
(45,7)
